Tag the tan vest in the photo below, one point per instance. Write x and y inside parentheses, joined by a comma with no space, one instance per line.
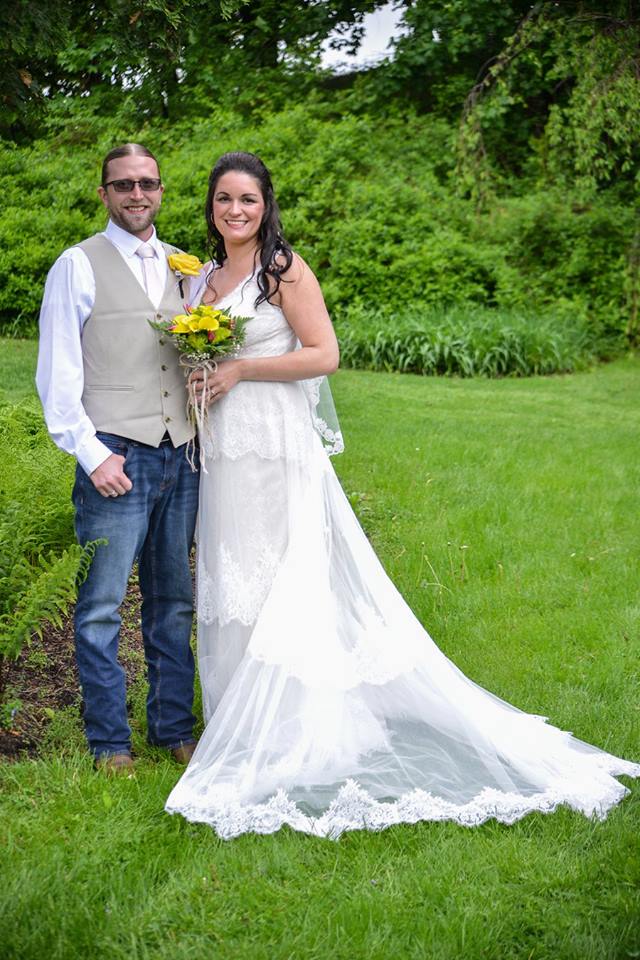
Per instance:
(133,384)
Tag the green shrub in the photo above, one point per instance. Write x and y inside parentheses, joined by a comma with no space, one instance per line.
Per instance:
(371,202)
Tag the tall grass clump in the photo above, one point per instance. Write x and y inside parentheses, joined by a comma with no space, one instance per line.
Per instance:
(467,342)
(39,558)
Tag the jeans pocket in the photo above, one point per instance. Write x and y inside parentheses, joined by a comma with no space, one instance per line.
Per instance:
(113,443)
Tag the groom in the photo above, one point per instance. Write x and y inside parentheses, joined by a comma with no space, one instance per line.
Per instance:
(114,397)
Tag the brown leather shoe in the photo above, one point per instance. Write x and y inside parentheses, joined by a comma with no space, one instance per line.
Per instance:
(183,753)
(115,764)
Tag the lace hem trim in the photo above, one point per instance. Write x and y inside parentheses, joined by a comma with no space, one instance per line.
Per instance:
(354,809)
(292,446)
(332,440)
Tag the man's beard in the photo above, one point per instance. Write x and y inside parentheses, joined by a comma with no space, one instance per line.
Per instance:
(133,223)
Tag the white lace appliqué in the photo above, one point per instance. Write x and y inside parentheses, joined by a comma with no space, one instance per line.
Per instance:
(332,440)
(354,809)
(232,595)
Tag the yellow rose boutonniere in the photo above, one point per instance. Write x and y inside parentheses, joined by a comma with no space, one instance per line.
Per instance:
(184,265)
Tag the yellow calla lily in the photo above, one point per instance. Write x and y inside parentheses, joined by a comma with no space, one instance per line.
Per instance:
(181,323)
(222,334)
(206,309)
(208,323)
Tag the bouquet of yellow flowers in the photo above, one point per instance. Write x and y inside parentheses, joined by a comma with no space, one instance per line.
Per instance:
(203,335)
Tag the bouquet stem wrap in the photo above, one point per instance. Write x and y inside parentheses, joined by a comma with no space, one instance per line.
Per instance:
(197,409)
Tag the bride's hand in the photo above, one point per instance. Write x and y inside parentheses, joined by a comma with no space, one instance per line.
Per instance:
(218,383)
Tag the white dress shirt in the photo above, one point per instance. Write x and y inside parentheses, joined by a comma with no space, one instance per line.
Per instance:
(69,296)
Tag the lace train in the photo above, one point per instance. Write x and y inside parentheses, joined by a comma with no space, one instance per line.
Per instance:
(355,809)
(333,709)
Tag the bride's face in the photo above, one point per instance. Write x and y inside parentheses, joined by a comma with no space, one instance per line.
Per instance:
(238,207)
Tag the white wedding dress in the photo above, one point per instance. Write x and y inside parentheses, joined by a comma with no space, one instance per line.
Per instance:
(327,705)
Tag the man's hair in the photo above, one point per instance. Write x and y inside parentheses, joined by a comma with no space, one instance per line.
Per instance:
(126,150)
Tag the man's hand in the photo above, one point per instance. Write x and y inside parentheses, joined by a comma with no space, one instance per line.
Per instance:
(109,478)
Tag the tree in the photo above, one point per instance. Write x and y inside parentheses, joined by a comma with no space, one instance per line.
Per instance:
(159,51)
(585,57)
(75,48)
(569,76)
(443,46)
(29,33)
(268,32)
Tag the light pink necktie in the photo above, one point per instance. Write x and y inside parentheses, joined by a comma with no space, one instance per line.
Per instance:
(146,251)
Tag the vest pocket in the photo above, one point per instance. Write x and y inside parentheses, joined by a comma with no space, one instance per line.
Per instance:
(109,387)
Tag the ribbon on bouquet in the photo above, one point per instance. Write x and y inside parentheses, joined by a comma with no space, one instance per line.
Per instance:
(197,409)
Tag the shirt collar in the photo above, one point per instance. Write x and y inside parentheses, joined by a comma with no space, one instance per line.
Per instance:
(127,243)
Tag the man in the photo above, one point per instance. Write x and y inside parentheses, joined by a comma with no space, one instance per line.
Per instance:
(114,397)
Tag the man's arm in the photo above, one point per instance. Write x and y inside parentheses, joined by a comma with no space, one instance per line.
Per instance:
(68,300)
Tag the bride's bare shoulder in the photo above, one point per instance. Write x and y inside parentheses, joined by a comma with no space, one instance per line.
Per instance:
(294,270)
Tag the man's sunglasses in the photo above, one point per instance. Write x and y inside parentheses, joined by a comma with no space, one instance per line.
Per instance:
(147,185)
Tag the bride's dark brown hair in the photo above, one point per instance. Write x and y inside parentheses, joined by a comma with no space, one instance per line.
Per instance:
(276,256)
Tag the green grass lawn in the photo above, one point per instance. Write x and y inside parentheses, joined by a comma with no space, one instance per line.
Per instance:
(17,368)
(506,512)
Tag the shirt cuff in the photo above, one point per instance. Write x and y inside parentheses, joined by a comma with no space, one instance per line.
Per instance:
(91,454)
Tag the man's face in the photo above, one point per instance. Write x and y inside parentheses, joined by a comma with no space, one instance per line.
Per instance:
(136,209)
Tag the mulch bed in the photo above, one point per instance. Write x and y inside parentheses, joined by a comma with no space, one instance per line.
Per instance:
(44,678)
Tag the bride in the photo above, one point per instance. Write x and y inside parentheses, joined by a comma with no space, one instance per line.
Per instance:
(327,705)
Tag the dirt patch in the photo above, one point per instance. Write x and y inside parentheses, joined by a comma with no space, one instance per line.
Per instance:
(44,678)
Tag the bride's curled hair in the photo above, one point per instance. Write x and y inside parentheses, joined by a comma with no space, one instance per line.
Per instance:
(276,256)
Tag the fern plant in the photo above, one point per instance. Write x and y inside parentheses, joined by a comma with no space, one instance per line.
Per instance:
(40,562)
(49,587)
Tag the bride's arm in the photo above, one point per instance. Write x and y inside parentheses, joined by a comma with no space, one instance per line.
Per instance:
(303,305)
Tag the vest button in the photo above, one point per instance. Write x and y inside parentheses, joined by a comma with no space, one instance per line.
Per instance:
(162,341)
(165,393)
(167,419)
(158,316)
(164,367)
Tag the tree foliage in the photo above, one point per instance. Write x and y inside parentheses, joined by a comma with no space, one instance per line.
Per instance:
(158,53)
(564,92)
(77,49)
(445,45)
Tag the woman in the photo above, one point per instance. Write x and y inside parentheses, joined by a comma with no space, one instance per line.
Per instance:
(328,706)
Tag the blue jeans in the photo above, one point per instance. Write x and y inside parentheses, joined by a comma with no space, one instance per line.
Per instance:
(154,524)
